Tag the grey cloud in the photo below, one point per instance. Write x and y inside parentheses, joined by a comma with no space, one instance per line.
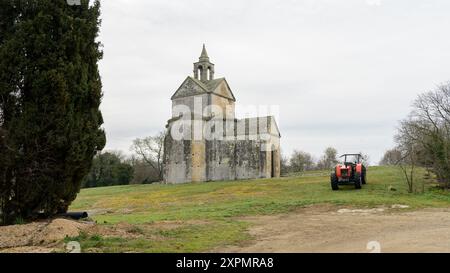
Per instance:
(314,59)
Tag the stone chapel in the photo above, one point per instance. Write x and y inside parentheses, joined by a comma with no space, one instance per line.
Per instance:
(206,142)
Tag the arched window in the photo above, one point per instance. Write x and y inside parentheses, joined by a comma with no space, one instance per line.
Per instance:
(208,74)
(199,72)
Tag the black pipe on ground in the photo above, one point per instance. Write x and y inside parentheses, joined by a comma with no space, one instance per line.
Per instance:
(74,215)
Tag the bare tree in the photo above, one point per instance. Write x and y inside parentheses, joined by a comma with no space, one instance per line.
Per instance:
(329,159)
(301,161)
(143,172)
(424,137)
(365,159)
(408,158)
(391,157)
(151,151)
(284,164)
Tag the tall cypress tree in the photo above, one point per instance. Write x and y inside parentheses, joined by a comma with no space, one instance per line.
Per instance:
(50,93)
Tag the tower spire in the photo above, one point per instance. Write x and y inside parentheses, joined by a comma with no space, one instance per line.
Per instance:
(204,56)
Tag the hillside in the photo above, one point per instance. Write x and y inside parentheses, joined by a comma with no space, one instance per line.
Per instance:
(206,216)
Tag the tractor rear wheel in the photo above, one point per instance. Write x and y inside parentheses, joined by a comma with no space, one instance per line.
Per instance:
(334,182)
(358,181)
(363,178)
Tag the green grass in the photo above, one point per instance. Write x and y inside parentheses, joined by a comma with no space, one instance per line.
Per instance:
(216,205)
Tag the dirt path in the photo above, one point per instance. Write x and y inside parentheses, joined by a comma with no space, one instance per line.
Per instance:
(330,229)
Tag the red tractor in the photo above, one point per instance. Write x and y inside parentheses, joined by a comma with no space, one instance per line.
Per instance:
(351,172)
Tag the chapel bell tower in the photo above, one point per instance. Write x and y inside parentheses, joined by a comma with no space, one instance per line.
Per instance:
(204,69)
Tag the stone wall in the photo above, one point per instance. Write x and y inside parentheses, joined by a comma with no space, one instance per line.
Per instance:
(218,160)
(177,161)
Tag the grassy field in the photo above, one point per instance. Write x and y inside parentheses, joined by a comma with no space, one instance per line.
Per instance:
(200,217)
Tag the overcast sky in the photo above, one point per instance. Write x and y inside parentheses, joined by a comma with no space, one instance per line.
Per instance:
(343,72)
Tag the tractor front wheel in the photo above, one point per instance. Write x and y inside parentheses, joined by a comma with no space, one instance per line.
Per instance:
(334,182)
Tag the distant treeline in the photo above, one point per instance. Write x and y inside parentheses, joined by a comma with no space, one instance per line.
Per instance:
(144,166)
(111,168)
(300,161)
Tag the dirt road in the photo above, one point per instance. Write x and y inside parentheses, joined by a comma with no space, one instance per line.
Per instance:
(341,230)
